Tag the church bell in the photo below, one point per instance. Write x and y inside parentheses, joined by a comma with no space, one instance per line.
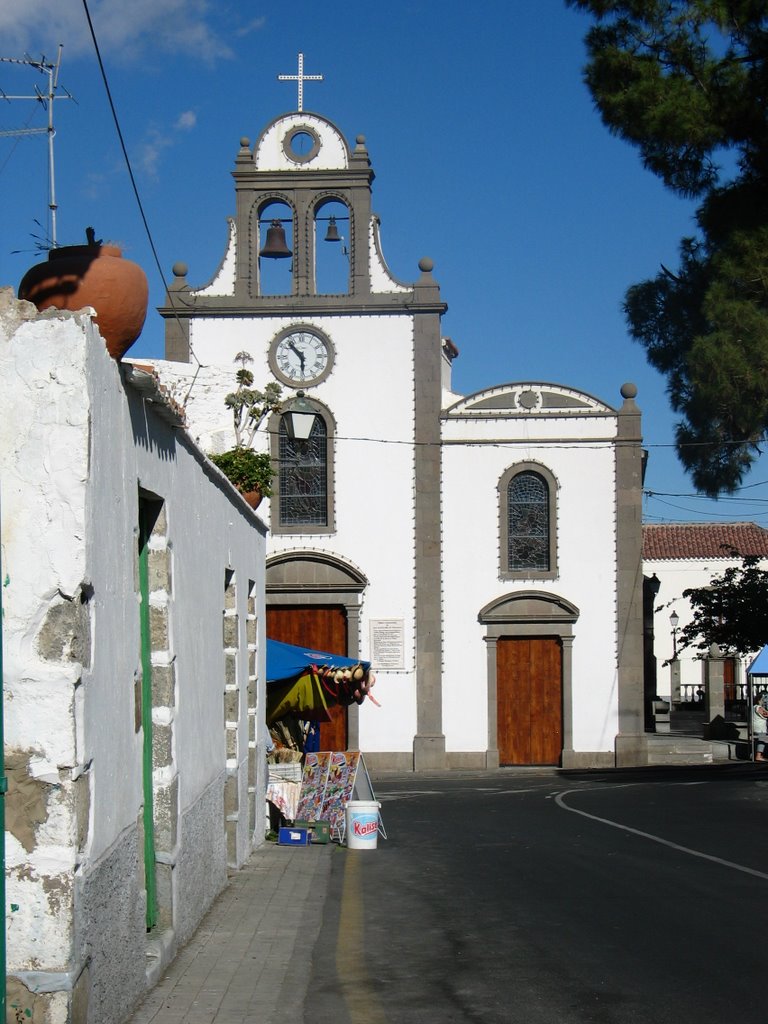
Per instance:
(332,235)
(275,247)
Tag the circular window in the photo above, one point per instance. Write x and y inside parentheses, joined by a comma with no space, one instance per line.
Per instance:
(301,144)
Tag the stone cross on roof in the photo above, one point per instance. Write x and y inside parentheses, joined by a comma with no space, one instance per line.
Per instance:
(301,78)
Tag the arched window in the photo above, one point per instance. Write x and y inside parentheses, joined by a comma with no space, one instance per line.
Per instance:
(304,480)
(528,547)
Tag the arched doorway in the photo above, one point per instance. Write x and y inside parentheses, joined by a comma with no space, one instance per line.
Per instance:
(313,600)
(529,637)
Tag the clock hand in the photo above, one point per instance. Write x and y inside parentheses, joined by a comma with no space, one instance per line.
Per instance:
(298,352)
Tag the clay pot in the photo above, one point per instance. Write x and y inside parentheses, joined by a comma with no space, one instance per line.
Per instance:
(253,497)
(75,276)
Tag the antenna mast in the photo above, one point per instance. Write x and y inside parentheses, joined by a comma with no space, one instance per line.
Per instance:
(46,98)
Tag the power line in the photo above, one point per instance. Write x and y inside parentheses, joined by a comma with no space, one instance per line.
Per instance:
(130,168)
(704,497)
(699,511)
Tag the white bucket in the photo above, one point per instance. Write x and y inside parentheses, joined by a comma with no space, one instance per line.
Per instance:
(362,824)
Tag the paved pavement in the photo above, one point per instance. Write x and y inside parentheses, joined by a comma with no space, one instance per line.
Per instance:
(249,961)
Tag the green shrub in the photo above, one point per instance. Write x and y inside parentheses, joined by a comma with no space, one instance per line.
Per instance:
(246,469)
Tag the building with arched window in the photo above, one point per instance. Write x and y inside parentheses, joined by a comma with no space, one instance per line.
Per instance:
(482,551)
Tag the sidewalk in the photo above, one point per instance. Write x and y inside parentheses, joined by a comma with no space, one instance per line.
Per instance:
(249,961)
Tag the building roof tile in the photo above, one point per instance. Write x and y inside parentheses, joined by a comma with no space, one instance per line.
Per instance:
(703,540)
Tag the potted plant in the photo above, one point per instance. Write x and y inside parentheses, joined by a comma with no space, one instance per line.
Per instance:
(251,472)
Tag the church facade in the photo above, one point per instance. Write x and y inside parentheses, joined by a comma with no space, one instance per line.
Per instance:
(483,551)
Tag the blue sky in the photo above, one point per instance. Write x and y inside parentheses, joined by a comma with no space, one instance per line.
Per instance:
(489,158)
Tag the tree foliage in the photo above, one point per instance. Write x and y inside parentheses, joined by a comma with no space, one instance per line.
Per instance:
(687,84)
(731,611)
(249,405)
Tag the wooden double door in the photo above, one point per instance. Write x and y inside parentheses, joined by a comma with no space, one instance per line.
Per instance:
(529,695)
(323,627)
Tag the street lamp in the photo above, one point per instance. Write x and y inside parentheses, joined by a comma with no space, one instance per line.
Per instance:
(675,691)
(674,619)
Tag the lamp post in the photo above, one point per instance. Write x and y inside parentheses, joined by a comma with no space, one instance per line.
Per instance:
(674,694)
(674,619)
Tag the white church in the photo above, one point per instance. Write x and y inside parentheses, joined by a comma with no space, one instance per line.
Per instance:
(482,551)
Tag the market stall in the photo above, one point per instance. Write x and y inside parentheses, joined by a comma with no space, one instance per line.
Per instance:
(302,684)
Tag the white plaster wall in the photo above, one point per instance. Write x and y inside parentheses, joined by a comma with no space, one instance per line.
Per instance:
(209,529)
(676,576)
(381,278)
(43,473)
(370,395)
(70,512)
(586,558)
(269,154)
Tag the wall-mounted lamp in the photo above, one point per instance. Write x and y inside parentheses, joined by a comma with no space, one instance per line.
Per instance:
(299,418)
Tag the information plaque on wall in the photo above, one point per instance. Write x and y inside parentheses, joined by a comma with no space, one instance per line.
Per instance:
(387,644)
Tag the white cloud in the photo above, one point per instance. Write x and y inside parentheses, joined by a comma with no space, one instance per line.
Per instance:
(157,141)
(122,29)
(186,121)
(252,26)
(150,149)
(35,26)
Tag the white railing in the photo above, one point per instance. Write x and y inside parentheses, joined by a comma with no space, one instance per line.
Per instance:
(693,693)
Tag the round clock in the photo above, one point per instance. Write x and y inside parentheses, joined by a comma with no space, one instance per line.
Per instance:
(300,356)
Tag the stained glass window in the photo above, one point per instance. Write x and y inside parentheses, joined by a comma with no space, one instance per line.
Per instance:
(303,476)
(528,523)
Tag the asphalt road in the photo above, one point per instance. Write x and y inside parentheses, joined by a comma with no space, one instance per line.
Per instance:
(542,896)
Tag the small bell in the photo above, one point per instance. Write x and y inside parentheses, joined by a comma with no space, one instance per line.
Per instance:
(275,247)
(332,234)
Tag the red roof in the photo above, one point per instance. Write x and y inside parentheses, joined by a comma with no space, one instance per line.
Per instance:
(704,540)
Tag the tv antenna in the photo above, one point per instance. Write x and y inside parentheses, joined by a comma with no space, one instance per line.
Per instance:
(51,71)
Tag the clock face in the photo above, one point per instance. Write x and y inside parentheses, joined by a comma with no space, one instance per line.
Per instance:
(301,357)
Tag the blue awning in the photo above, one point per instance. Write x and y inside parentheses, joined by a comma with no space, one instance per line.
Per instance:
(759,666)
(304,683)
(286,661)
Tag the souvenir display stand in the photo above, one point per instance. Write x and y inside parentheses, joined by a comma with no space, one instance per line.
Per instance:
(329,781)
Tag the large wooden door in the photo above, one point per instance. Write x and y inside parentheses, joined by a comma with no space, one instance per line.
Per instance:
(325,628)
(529,694)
